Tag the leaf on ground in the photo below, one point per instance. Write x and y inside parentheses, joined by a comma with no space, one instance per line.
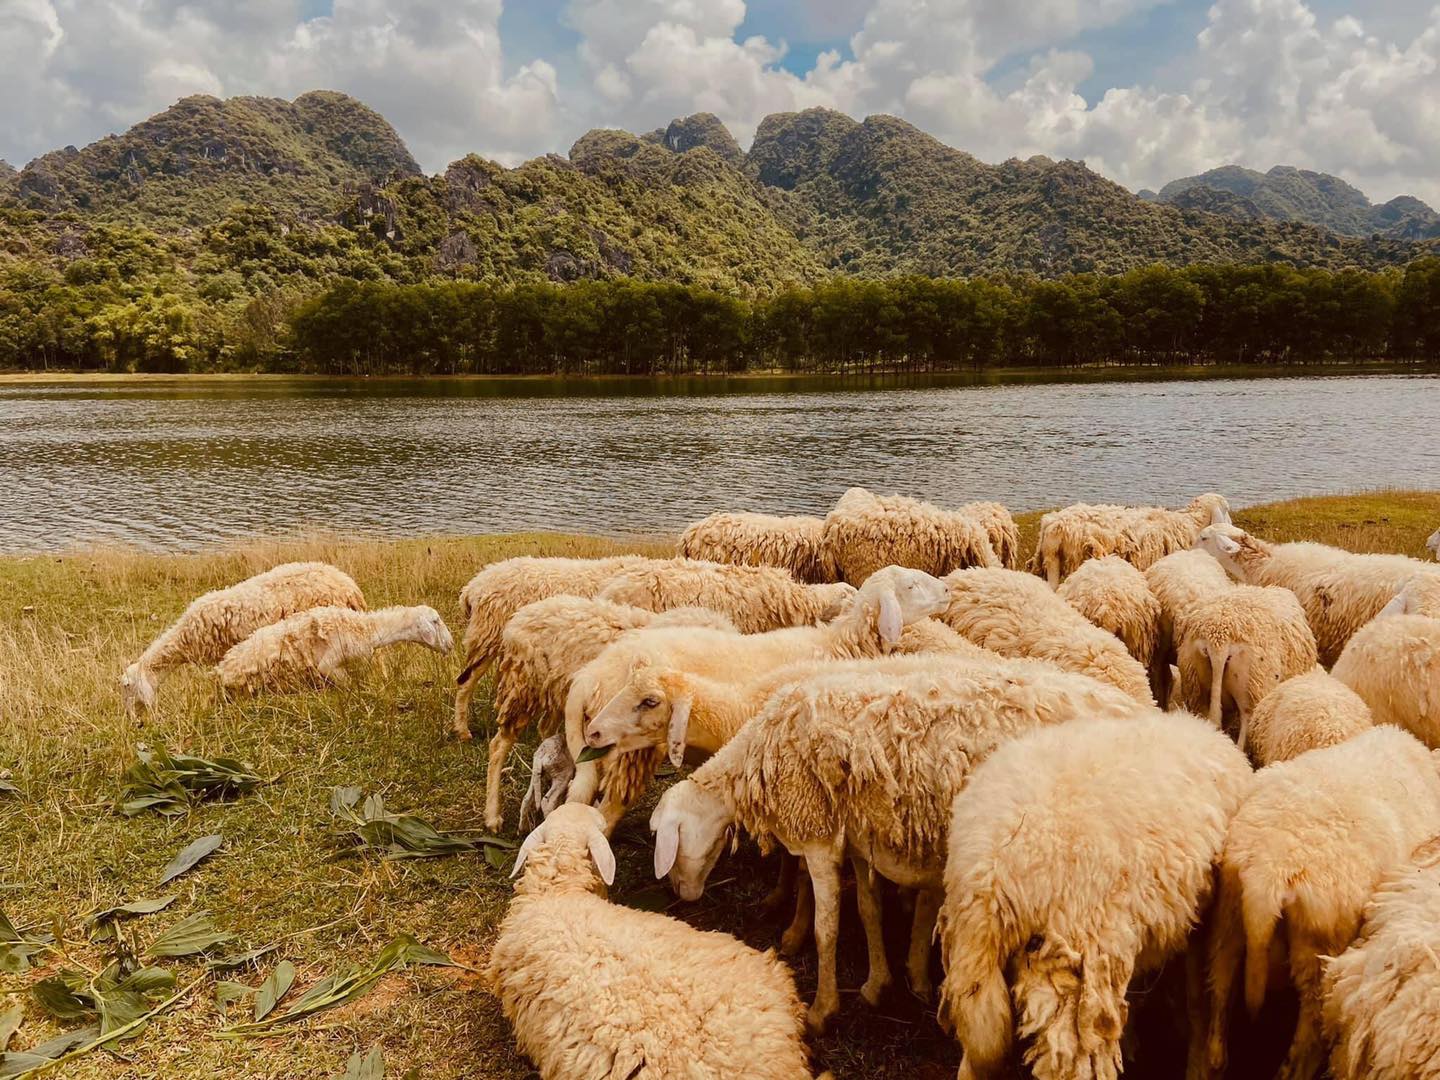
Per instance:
(227,963)
(276,985)
(135,907)
(592,753)
(17,949)
(369,1067)
(190,856)
(169,783)
(227,993)
(193,934)
(342,802)
(399,836)
(56,995)
(9,1024)
(148,980)
(18,1062)
(498,858)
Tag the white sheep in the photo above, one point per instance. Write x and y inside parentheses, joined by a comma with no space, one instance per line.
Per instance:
(1014,614)
(1114,596)
(551,770)
(862,760)
(1433,543)
(1420,596)
(1306,712)
(1308,845)
(1393,663)
(1177,581)
(1382,995)
(865,532)
(1080,857)
(598,990)
(319,644)
(794,543)
(1339,590)
(215,622)
(1141,535)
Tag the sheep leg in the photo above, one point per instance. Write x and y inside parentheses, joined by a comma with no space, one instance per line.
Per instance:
(1307,1051)
(1196,1067)
(500,746)
(922,935)
(463,694)
(793,940)
(785,886)
(823,862)
(867,898)
(1225,948)
(585,784)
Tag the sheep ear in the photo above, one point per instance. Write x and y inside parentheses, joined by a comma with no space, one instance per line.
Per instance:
(667,846)
(1398,605)
(679,726)
(1227,545)
(603,856)
(892,623)
(526,846)
(1219,515)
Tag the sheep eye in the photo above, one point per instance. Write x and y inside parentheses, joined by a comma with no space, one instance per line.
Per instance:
(1033,945)
(649,703)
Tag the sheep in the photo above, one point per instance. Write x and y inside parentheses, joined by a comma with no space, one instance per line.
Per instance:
(865,532)
(999,525)
(541,648)
(1113,595)
(1339,590)
(1308,845)
(494,594)
(872,625)
(1382,995)
(1177,581)
(1141,535)
(1420,596)
(792,543)
(598,990)
(1237,647)
(551,770)
(1080,856)
(215,622)
(863,759)
(1433,543)
(1305,712)
(1014,614)
(321,642)
(1393,663)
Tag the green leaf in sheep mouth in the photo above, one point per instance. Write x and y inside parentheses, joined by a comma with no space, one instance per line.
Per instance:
(593,753)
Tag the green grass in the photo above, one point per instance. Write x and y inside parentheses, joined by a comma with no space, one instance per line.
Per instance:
(69,624)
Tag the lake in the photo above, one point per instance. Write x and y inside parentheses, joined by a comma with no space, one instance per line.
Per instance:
(174,465)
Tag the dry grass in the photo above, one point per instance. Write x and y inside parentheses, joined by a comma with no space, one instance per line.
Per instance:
(68,625)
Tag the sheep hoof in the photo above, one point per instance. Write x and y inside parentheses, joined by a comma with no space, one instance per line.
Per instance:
(923,989)
(494,821)
(817,1016)
(873,990)
(463,733)
(791,942)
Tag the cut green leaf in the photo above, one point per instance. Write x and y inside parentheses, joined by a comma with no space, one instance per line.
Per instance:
(190,856)
(169,783)
(20,1062)
(17,949)
(135,907)
(399,836)
(592,753)
(369,1067)
(274,989)
(9,1024)
(192,934)
(227,993)
(227,963)
(57,996)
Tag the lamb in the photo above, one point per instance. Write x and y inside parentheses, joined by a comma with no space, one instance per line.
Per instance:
(1080,856)
(1014,614)
(1113,595)
(792,543)
(1393,663)
(1339,590)
(863,759)
(865,532)
(1306,712)
(215,622)
(1382,995)
(1177,581)
(1308,845)
(551,770)
(320,643)
(1141,535)
(597,990)
(541,648)
(1239,646)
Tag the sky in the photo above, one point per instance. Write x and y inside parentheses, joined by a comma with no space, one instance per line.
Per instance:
(1144,91)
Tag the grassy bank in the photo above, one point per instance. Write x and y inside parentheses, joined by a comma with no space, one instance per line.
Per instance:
(68,625)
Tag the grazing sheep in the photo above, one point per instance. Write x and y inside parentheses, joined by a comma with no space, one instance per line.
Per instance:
(494,594)
(1014,614)
(865,532)
(541,648)
(863,760)
(1080,857)
(1239,646)
(1433,543)
(1141,535)
(999,525)
(792,543)
(1113,595)
(318,645)
(1305,712)
(1382,995)
(1393,663)
(597,990)
(219,620)
(1177,581)
(551,770)
(1339,590)
(1304,853)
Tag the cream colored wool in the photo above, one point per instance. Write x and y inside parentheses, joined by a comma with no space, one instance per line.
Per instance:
(1177,581)
(1306,712)
(599,991)
(863,759)
(1382,995)
(1141,535)
(219,620)
(1433,543)
(541,648)
(1339,590)
(319,644)
(999,525)
(1239,646)
(1304,852)
(1113,595)
(865,532)
(1393,663)
(1080,858)
(493,595)
(1016,615)
(792,543)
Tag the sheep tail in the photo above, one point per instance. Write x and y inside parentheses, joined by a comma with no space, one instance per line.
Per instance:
(1261,908)
(976,995)
(464,676)
(1218,659)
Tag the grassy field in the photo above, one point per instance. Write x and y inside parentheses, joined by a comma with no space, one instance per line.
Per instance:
(69,624)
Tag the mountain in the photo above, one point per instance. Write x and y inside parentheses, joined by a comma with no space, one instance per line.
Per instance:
(1289,194)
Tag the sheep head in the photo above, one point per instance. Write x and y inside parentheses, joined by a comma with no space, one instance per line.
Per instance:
(137,689)
(835,598)
(1225,543)
(571,828)
(430,630)
(899,596)
(1420,596)
(691,826)
(1214,507)
(651,707)
(1433,543)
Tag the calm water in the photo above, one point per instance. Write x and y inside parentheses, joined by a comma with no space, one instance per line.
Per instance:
(184,466)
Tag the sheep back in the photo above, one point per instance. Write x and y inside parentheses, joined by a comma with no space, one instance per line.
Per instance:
(1393,663)
(866,532)
(1113,595)
(1306,712)
(794,543)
